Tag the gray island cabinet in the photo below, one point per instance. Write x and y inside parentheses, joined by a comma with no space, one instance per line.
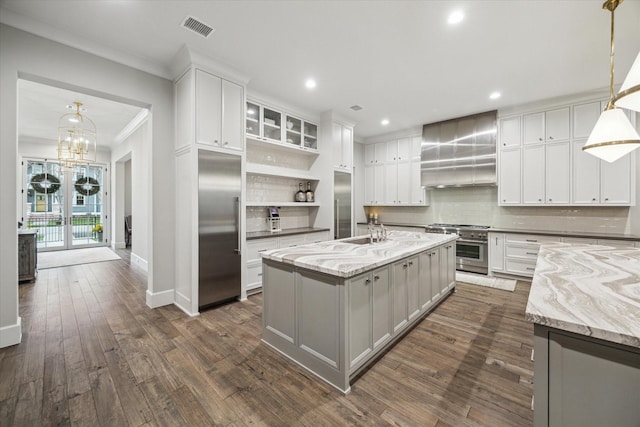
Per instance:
(585,306)
(333,306)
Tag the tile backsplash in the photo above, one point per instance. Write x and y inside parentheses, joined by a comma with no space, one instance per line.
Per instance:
(478,205)
(290,217)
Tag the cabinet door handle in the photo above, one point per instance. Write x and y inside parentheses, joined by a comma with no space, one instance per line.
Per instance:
(410,263)
(226,143)
(551,137)
(376,277)
(531,253)
(593,200)
(261,250)
(531,240)
(551,200)
(404,265)
(539,139)
(531,269)
(539,200)
(606,199)
(367,281)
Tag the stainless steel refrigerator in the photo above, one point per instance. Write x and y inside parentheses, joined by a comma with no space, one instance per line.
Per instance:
(219,188)
(341,205)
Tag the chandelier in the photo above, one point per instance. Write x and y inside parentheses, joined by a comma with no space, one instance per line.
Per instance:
(613,135)
(77,140)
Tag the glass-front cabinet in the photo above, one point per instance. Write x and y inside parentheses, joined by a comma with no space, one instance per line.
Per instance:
(271,124)
(252,121)
(310,136)
(267,124)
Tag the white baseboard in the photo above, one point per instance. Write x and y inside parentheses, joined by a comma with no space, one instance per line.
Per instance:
(184,304)
(140,262)
(159,299)
(11,335)
(118,245)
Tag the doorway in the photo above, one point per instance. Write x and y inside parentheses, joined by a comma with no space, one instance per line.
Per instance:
(66,206)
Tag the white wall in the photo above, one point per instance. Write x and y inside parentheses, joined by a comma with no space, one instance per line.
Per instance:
(24,55)
(135,186)
(127,187)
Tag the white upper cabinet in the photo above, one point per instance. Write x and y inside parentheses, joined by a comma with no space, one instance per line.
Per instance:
(218,111)
(550,161)
(510,176)
(615,182)
(510,132)
(533,125)
(392,173)
(585,117)
(533,174)
(342,144)
(549,126)
(557,125)
(585,176)
(558,173)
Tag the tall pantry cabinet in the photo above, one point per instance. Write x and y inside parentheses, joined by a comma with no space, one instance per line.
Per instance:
(209,104)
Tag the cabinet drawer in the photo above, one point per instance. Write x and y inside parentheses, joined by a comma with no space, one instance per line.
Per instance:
(254,273)
(530,238)
(320,236)
(529,252)
(616,243)
(289,241)
(579,240)
(520,267)
(254,247)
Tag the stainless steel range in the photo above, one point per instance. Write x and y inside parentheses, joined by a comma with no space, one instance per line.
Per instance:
(471,247)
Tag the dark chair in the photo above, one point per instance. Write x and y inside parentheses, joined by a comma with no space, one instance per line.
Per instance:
(127,230)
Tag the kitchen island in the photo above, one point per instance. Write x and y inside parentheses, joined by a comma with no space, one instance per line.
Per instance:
(333,306)
(585,306)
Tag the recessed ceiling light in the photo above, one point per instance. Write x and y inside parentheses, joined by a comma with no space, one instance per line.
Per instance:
(455,17)
(384,122)
(310,83)
(495,95)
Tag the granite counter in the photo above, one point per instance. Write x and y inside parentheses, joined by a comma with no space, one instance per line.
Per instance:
(343,259)
(589,290)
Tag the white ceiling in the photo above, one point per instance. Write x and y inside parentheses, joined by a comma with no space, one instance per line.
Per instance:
(398,59)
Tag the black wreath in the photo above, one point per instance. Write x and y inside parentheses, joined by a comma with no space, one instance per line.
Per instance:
(81,186)
(52,183)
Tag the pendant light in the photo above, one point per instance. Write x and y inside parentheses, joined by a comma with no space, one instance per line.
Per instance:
(77,139)
(613,135)
(629,95)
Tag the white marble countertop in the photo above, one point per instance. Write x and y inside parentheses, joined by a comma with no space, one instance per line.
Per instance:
(590,290)
(341,259)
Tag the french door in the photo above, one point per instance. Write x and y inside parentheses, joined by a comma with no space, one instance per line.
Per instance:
(67,207)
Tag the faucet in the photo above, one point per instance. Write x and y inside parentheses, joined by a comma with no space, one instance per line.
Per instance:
(379,235)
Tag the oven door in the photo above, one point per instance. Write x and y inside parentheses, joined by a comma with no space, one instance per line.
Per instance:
(471,255)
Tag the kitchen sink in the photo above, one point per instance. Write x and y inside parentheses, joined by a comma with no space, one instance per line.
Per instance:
(360,241)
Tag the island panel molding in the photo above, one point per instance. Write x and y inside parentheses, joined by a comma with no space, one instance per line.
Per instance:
(348,297)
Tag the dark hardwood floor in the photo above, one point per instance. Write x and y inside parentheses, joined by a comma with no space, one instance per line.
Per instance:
(93,354)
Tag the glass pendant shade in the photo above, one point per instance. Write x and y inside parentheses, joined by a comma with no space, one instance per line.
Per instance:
(612,137)
(629,95)
(77,139)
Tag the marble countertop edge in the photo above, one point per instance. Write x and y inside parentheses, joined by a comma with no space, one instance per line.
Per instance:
(325,258)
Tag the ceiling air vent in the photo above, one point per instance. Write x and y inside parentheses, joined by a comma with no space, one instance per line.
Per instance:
(356,107)
(196,26)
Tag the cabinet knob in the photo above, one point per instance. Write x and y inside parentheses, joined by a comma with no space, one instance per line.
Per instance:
(593,200)
(376,277)
(539,200)
(539,139)
(550,200)
(410,262)
(367,281)
(404,265)
(226,143)
(550,137)
(606,199)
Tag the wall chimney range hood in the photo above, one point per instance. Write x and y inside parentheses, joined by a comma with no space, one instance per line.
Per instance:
(460,152)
